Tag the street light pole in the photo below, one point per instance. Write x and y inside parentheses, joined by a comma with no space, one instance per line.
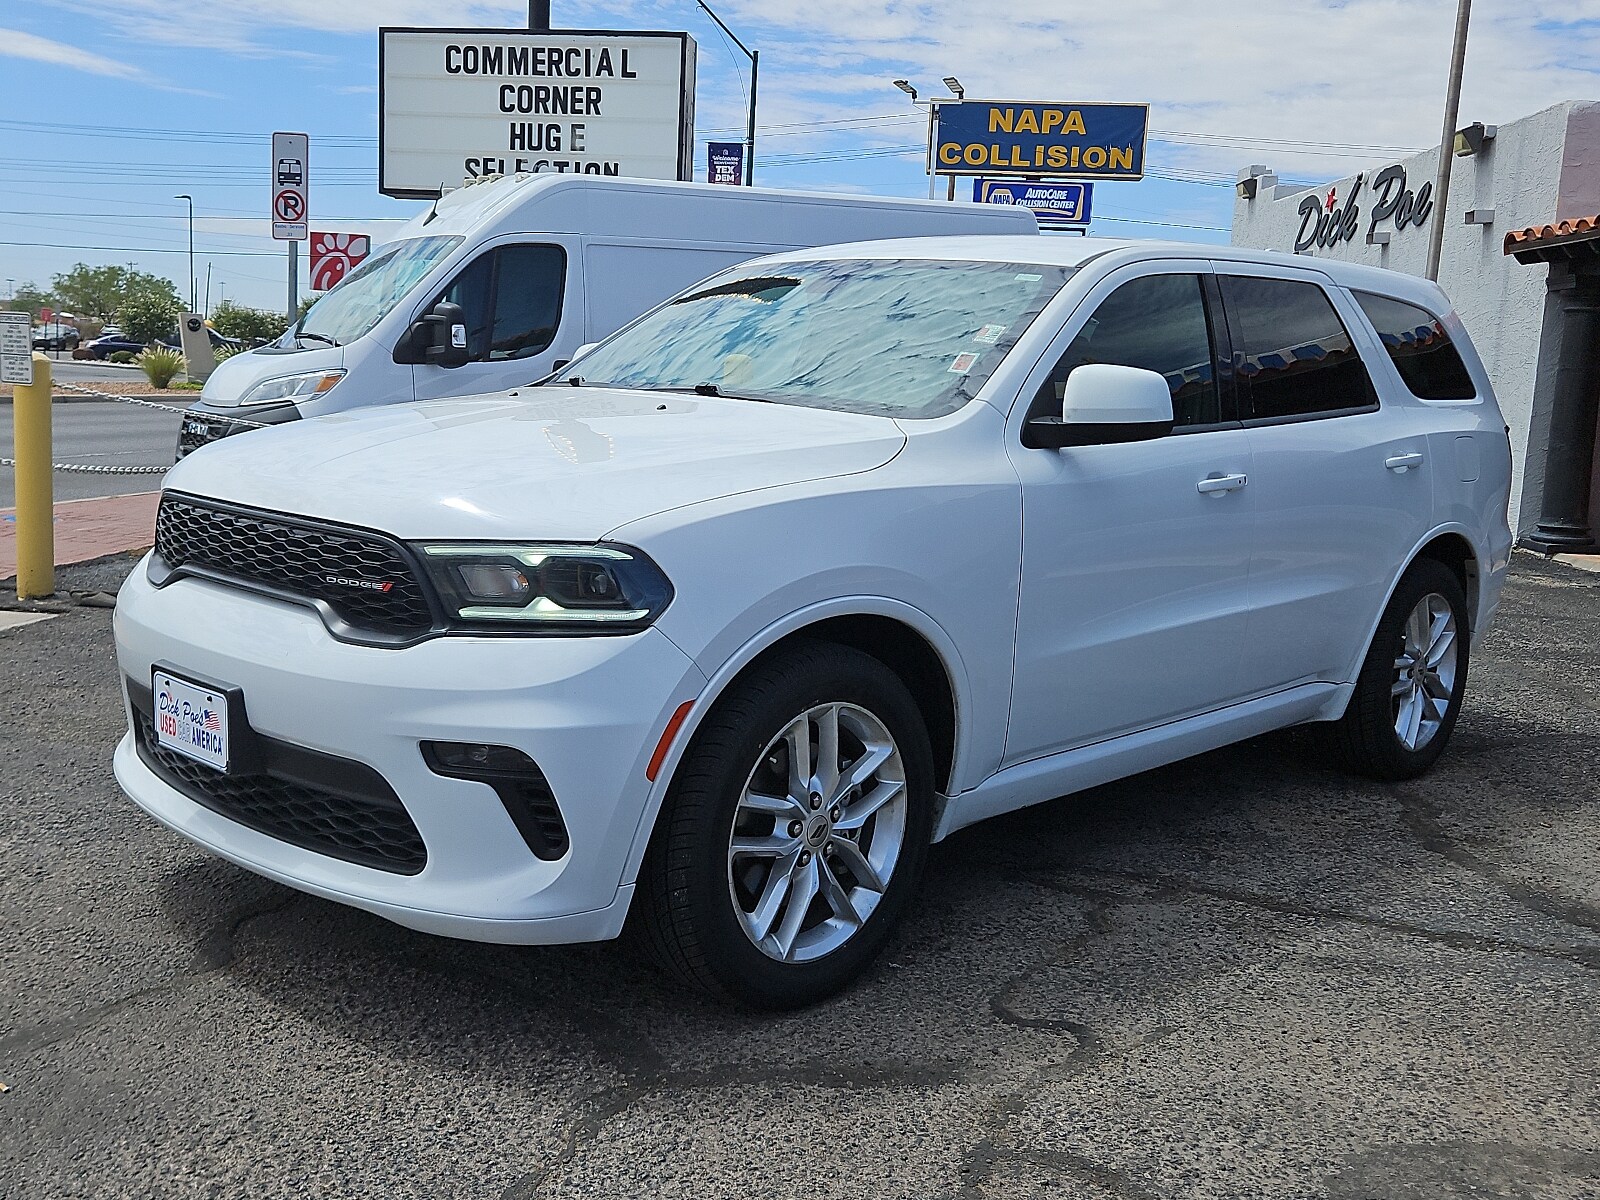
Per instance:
(192,297)
(750,121)
(1447,141)
(539,15)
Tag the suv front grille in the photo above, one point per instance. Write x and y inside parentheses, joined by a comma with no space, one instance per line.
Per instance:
(363,578)
(361,822)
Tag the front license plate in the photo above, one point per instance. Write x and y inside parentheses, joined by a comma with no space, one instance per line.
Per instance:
(191,719)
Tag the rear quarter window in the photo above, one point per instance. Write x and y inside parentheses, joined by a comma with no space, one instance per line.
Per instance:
(1421,350)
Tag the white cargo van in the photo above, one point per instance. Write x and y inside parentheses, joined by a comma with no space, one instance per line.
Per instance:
(501,282)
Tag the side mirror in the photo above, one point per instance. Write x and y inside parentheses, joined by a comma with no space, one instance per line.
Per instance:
(1102,405)
(439,337)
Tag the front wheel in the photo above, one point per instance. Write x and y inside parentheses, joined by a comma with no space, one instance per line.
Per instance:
(1409,692)
(794,832)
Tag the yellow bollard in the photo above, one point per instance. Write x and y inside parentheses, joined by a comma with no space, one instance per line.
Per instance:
(36,533)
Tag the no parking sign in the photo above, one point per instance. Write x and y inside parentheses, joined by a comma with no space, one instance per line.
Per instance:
(290,186)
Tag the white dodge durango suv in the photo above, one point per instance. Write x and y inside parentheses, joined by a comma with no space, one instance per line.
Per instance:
(825,558)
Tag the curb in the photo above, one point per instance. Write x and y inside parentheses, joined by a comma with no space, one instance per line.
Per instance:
(74,398)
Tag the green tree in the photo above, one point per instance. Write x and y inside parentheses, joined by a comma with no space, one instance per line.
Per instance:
(30,298)
(248,324)
(149,316)
(102,291)
(306,302)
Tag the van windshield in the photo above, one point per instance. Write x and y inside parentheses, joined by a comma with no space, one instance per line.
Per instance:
(900,338)
(365,296)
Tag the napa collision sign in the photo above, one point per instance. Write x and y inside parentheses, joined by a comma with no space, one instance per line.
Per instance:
(460,104)
(1026,138)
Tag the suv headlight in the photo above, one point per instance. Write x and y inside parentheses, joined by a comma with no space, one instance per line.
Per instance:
(550,585)
(292,387)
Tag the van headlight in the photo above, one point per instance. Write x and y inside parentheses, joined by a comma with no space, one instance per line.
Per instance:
(551,585)
(292,387)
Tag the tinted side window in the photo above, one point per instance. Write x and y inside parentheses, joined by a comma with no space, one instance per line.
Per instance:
(1421,349)
(1157,323)
(470,290)
(527,305)
(1291,351)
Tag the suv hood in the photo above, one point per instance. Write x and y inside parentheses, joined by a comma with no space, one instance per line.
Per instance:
(552,463)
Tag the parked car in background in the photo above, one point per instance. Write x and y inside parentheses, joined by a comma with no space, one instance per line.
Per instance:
(114,340)
(824,559)
(56,335)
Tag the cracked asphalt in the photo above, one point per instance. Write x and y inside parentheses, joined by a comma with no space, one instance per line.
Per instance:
(1245,975)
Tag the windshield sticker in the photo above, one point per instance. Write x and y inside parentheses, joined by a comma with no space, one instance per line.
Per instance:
(1029,278)
(989,333)
(963,363)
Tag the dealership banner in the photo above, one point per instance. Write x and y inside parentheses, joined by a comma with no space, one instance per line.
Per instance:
(461,104)
(725,162)
(1022,138)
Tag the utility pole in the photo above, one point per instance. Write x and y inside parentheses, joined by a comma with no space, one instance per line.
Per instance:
(1447,141)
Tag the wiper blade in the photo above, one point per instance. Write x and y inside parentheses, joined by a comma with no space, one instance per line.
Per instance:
(315,337)
(707,389)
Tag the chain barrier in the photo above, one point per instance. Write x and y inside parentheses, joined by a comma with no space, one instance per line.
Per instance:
(137,402)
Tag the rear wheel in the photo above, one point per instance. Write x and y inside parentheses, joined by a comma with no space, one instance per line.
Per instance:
(1412,682)
(794,833)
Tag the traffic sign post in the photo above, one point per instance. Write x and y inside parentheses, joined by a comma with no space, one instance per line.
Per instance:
(16,348)
(291,201)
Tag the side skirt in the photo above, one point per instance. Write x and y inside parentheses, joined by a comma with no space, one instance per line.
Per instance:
(1089,766)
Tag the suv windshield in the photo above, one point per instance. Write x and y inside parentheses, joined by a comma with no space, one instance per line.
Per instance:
(364,297)
(893,337)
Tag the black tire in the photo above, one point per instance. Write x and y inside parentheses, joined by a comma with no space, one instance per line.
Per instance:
(684,914)
(1365,738)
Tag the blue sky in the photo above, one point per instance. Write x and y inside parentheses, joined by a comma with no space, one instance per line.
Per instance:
(110,107)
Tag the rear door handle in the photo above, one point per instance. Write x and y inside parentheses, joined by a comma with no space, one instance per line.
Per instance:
(1216,485)
(1401,463)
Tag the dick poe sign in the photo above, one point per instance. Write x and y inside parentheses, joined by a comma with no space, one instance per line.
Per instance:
(1028,138)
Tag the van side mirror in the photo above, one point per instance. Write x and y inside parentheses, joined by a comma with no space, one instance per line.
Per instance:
(1102,405)
(438,337)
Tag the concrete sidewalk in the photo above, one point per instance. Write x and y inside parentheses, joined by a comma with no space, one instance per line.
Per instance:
(88,529)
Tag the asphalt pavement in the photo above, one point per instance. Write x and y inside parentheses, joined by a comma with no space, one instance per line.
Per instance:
(1246,975)
(99,434)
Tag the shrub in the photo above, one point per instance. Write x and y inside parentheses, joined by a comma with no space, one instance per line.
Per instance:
(160,365)
(222,352)
(148,317)
(122,356)
(247,324)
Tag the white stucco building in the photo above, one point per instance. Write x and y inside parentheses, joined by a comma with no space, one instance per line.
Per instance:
(1531,172)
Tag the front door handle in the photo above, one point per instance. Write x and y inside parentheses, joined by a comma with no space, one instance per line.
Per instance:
(1401,463)
(1217,485)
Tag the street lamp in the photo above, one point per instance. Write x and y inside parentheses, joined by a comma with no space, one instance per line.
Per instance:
(954,84)
(905,86)
(755,70)
(192,297)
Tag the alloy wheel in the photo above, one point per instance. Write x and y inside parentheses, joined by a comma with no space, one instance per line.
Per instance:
(1424,671)
(818,833)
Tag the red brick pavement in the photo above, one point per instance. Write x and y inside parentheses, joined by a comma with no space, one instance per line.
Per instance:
(87,529)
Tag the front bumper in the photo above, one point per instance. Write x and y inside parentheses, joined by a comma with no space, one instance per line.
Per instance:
(587,710)
(205,423)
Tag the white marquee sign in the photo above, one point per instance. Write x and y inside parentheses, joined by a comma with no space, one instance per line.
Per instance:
(458,104)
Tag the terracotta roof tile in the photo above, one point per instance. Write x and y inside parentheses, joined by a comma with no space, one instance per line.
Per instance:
(1544,237)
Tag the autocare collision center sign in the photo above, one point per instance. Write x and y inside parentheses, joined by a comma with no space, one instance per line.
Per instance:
(459,104)
(1014,137)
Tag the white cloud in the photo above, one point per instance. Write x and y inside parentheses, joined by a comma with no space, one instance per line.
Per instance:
(16,44)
